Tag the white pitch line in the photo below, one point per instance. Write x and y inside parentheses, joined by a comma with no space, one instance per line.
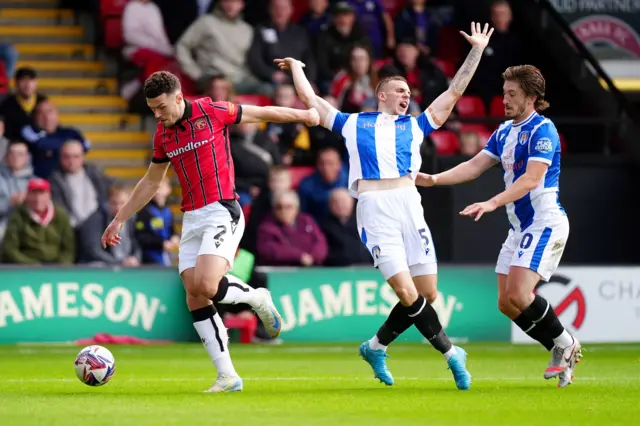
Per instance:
(311,379)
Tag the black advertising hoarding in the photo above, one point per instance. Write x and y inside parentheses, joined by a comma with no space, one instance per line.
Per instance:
(609,28)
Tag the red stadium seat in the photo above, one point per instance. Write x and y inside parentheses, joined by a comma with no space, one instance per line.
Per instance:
(473,128)
(113,38)
(246,211)
(447,68)
(246,325)
(470,106)
(446,142)
(259,100)
(379,63)
(298,173)
(449,46)
(393,7)
(563,142)
(497,107)
(109,8)
(484,137)
(4,79)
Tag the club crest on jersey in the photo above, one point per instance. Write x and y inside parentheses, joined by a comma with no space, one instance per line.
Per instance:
(523,137)
(200,124)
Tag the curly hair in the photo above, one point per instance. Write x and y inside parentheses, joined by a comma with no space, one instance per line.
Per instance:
(160,83)
(531,81)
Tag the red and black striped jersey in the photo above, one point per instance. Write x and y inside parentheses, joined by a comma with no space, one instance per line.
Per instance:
(198,148)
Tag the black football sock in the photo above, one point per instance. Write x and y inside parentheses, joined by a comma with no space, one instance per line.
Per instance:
(425,318)
(397,323)
(542,315)
(536,333)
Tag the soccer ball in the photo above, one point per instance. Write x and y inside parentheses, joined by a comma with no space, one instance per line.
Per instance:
(95,365)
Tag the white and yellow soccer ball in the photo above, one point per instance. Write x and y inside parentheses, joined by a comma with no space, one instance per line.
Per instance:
(95,365)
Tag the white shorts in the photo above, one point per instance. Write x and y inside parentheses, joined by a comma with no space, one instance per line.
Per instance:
(392,227)
(539,247)
(216,228)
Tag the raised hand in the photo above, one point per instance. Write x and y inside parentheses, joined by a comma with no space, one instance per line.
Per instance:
(479,37)
(287,63)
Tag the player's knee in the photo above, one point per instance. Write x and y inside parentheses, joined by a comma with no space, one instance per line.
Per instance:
(518,299)
(504,304)
(430,295)
(406,294)
(207,285)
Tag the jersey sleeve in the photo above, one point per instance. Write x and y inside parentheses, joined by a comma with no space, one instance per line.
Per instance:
(335,120)
(159,153)
(491,148)
(225,112)
(544,143)
(426,123)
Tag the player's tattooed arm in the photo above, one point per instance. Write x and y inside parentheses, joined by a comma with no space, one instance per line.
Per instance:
(441,107)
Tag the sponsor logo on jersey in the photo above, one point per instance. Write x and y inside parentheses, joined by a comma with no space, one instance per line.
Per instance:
(544,145)
(187,148)
(232,109)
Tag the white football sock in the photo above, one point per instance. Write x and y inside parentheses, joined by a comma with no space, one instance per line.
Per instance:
(375,344)
(237,292)
(451,352)
(214,336)
(564,340)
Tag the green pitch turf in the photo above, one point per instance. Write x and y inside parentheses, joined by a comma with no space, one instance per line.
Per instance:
(318,385)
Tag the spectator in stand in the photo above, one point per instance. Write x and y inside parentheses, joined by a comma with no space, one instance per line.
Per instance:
(316,18)
(279,38)
(341,230)
(4,142)
(38,232)
(336,41)
(251,161)
(289,142)
(146,43)
(314,189)
(179,15)
(377,23)
(503,51)
(46,137)
(78,187)
(262,205)
(18,108)
(15,174)
(127,253)
(357,83)
(470,143)
(289,237)
(155,228)
(415,21)
(220,89)
(8,55)
(425,79)
(217,44)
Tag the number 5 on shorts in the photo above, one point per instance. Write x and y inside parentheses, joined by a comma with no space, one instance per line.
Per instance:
(425,238)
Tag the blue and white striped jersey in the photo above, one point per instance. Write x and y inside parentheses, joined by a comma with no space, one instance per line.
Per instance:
(514,145)
(381,146)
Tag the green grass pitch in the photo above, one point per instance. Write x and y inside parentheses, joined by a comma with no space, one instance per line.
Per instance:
(318,385)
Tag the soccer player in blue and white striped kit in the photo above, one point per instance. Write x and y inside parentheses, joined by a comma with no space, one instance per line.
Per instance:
(528,149)
(384,160)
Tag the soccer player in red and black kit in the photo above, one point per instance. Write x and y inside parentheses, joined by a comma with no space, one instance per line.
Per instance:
(193,136)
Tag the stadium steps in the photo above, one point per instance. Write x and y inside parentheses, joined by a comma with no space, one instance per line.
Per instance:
(84,89)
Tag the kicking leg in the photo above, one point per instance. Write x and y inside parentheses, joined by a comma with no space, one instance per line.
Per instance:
(213,334)
(525,323)
(567,349)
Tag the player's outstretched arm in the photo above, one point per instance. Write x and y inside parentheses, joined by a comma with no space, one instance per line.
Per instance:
(140,197)
(272,114)
(304,89)
(463,172)
(441,107)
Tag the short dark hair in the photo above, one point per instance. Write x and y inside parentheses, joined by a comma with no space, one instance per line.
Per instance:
(386,80)
(531,81)
(25,72)
(161,83)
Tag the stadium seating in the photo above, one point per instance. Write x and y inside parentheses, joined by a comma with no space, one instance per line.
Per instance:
(496,109)
(4,79)
(246,325)
(470,106)
(446,67)
(298,173)
(446,142)
(259,100)
(111,21)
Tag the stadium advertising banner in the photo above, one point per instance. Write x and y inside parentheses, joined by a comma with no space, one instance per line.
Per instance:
(347,305)
(59,305)
(596,304)
(609,28)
